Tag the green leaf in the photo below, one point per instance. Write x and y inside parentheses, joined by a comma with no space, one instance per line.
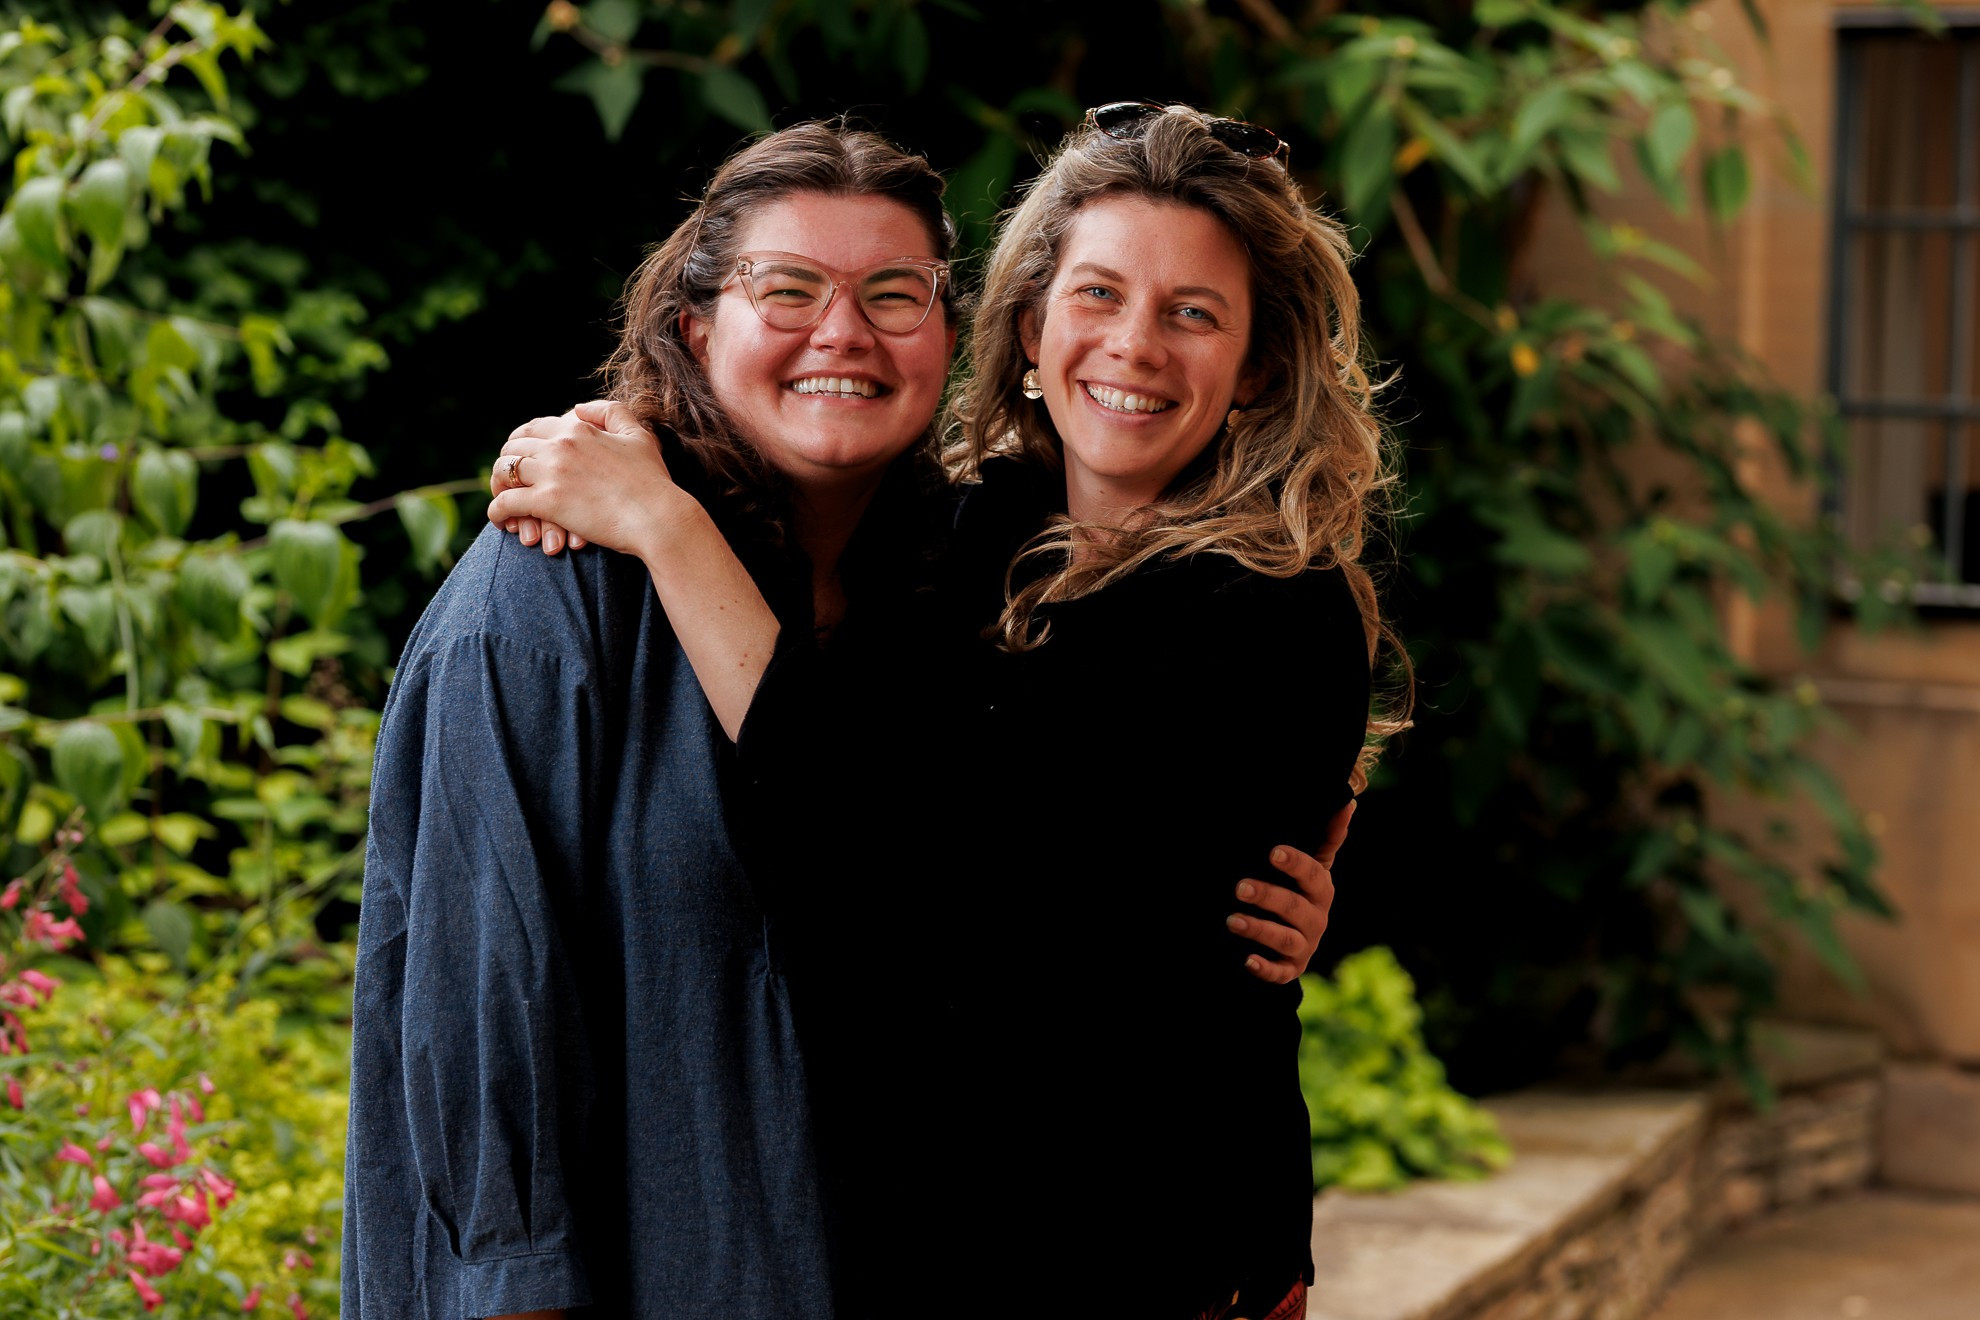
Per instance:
(94,611)
(101,198)
(1590,158)
(1368,159)
(138,146)
(736,99)
(171,927)
(13,440)
(911,50)
(614,91)
(1448,147)
(308,560)
(187,726)
(93,533)
(211,588)
(1499,13)
(1530,543)
(746,18)
(89,765)
(1537,116)
(37,212)
(1669,137)
(165,488)
(430,522)
(615,20)
(1726,183)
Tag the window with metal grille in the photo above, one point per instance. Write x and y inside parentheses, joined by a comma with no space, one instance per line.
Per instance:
(1904,357)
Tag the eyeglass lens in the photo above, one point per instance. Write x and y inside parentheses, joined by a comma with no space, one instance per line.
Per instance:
(790,294)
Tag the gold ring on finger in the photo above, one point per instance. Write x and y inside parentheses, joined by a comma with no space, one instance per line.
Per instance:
(513,476)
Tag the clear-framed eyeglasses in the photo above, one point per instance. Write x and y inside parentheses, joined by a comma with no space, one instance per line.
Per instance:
(792,292)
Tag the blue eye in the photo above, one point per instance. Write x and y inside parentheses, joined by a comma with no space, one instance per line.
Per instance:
(1197,314)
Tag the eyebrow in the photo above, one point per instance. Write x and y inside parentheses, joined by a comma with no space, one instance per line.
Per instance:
(1183,290)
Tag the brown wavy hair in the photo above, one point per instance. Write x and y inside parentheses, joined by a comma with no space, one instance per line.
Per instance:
(653,372)
(1291,483)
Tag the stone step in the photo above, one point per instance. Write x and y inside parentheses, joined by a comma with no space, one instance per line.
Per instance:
(1929,1139)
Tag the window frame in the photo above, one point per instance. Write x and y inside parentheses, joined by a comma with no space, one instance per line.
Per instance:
(1959,407)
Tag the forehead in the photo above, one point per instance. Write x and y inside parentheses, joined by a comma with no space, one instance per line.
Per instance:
(1163,243)
(846,233)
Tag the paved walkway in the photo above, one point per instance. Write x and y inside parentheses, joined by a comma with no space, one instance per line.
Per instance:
(1877,1255)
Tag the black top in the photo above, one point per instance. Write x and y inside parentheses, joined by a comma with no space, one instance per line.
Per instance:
(1136,1144)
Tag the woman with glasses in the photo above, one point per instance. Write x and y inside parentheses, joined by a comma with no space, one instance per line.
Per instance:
(581,1070)
(1148,663)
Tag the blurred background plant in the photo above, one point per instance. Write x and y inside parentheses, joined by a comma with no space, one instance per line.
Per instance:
(220,367)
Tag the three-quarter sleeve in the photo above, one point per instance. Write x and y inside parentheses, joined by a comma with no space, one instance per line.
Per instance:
(471,1080)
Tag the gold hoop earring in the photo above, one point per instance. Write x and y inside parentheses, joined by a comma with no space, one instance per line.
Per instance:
(1032,389)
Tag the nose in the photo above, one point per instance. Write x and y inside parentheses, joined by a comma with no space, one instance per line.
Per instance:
(844,327)
(1136,337)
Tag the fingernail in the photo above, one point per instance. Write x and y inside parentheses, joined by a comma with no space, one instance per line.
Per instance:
(1236,923)
(1254,964)
(1278,857)
(1246,889)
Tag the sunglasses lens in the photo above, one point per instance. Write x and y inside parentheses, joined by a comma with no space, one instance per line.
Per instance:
(1247,139)
(1122,118)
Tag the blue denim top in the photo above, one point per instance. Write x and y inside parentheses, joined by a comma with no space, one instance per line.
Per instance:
(574,1079)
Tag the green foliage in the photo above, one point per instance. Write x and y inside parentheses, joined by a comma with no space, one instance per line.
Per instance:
(265,1114)
(1380,1110)
(201,687)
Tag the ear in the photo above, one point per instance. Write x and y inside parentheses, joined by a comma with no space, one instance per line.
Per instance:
(1028,334)
(694,331)
(1250,384)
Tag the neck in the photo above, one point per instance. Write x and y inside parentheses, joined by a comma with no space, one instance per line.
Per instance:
(1091,499)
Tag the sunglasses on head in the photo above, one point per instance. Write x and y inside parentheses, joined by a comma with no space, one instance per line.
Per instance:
(1125,120)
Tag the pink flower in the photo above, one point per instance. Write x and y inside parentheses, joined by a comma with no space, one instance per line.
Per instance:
(296,1306)
(196,1109)
(104,1142)
(72,893)
(179,1236)
(14,1095)
(190,1211)
(253,1299)
(141,1104)
(155,1258)
(158,1157)
(12,897)
(106,1198)
(10,1024)
(147,1294)
(176,1130)
(157,1181)
(206,1084)
(223,1190)
(39,928)
(297,1260)
(74,1154)
(158,1196)
(46,984)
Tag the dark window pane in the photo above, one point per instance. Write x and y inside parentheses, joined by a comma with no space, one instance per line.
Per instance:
(1896,344)
(1909,99)
(1891,459)
(1955,523)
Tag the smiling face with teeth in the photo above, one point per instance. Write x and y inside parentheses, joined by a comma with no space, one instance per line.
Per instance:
(1141,344)
(831,405)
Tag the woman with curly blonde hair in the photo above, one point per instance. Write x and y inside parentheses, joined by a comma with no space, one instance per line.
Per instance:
(1146,665)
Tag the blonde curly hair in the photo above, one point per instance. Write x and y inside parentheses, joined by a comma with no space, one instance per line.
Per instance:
(1292,482)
